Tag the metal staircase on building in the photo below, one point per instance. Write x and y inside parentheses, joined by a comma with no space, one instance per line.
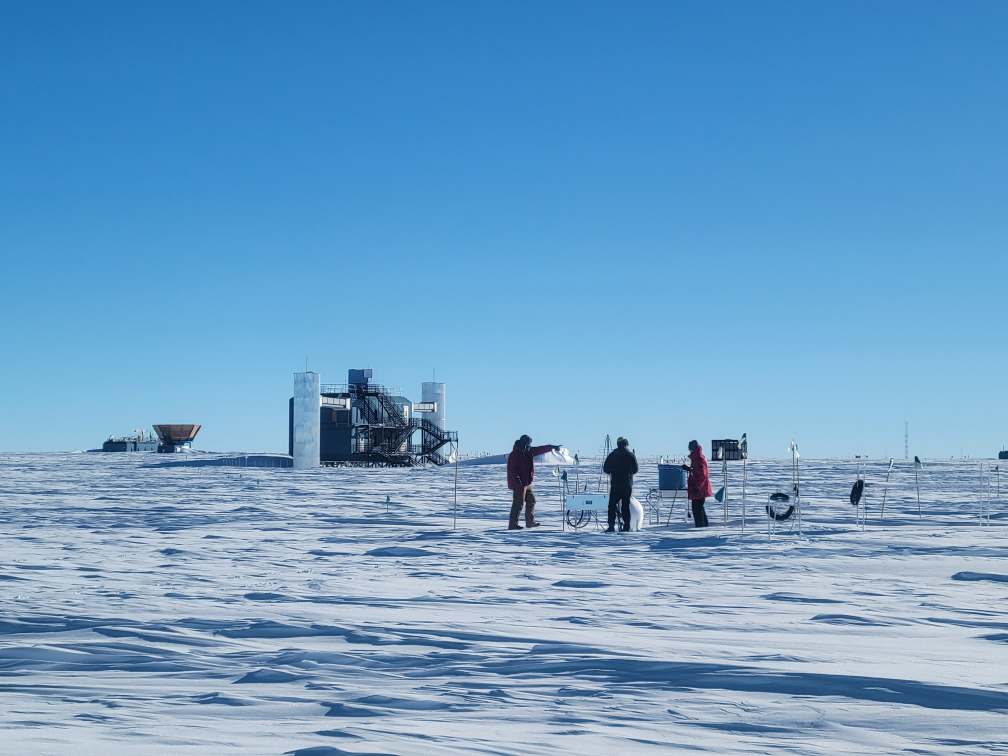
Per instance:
(384,434)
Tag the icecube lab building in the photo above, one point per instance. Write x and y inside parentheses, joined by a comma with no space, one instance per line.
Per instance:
(365,423)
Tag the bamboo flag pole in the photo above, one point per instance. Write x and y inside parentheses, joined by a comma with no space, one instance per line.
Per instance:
(745,475)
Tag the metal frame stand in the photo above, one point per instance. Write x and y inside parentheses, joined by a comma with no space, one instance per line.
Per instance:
(653,512)
(585,517)
(656,496)
(796,517)
(744,456)
(675,496)
(861,507)
(986,484)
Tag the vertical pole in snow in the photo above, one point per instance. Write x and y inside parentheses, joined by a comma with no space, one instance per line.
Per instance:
(981,494)
(745,463)
(885,491)
(455,505)
(797,470)
(864,497)
(863,503)
(990,493)
(987,497)
(857,477)
(917,486)
(724,501)
(563,515)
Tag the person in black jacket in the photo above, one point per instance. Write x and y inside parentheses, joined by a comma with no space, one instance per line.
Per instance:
(621,466)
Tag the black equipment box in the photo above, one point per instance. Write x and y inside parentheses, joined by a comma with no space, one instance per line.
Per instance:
(727,449)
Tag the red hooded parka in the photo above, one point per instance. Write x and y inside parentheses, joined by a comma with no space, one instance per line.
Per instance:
(698,486)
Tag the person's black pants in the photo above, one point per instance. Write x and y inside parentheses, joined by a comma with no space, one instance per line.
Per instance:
(699,513)
(620,496)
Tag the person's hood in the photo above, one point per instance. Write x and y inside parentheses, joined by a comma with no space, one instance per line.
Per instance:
(518,446)
(697,453)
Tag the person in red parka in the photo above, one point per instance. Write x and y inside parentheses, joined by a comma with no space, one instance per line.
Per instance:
(698,486)
(520,472)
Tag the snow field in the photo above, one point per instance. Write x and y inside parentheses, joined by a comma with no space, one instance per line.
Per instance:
(210,610)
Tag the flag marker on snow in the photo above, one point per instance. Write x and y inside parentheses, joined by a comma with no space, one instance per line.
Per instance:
(918,465)
(885,491)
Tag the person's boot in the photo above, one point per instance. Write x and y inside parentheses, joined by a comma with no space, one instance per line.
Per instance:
(611,528)
(513,518)
(530,520)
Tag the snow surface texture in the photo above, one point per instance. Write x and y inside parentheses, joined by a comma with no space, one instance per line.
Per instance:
(202,610)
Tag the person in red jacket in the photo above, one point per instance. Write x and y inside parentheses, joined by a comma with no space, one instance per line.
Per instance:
(520,472)
(698,485)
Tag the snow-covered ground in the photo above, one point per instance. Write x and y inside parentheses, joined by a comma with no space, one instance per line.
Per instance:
(218,611)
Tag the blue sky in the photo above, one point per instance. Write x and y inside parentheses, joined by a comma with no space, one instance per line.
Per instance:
(662,220)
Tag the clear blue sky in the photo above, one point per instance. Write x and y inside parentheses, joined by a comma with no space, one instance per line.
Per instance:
(665,220)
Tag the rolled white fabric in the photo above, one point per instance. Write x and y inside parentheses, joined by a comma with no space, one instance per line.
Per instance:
(636,514)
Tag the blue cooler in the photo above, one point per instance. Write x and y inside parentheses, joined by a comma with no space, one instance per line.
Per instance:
(671,478)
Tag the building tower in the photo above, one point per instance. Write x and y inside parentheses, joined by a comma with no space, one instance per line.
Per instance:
(306,431)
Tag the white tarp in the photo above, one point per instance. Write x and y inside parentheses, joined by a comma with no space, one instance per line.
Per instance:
(562,458)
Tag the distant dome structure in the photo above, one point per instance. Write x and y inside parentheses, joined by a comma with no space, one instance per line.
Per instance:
(176,437)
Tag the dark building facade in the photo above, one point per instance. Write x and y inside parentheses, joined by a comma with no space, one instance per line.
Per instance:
(130,444)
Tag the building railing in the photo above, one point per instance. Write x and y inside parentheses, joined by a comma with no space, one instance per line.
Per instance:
(370,388)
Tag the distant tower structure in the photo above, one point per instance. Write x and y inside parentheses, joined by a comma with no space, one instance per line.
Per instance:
(432,391)
(306,431)
(906,439)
